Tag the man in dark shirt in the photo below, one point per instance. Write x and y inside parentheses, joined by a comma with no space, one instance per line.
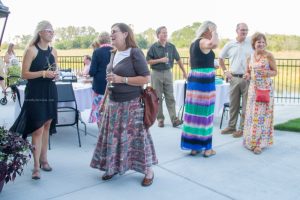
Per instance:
(161,56)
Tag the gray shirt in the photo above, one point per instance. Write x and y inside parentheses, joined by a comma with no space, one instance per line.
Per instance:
(157,51)
(134,65)
(237,52)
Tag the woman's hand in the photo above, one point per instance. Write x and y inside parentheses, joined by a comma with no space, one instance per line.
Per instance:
(212,28)
(51,74)
(114,78)
(247,76)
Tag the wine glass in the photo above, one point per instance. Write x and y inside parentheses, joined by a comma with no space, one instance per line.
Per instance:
(110,83)
(167,56)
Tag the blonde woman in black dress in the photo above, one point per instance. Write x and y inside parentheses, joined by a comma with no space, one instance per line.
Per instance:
(39,111)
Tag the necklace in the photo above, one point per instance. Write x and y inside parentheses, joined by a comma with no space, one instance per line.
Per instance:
(257,58)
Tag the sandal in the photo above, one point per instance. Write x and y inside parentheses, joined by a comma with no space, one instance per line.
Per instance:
(194,152)
(209,153)
(45,166)
(148,181)
(36,174)
(257,150)
(106,177)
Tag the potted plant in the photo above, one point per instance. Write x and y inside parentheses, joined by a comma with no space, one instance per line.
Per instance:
(15,152)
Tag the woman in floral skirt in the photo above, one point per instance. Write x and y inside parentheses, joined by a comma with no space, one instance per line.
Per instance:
(124,143)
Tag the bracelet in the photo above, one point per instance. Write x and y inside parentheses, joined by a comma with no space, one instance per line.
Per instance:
(126,80)
(44,74)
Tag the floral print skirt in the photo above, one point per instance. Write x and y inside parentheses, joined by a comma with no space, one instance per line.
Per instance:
(124,143)
(95,115)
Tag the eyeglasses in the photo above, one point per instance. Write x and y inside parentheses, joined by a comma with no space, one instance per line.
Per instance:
(114,31)
(243,29)
(48,31)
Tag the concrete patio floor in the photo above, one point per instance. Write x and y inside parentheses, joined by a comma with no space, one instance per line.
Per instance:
(234,173)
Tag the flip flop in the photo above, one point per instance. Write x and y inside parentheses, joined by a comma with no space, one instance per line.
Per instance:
(194,152)
(207,155)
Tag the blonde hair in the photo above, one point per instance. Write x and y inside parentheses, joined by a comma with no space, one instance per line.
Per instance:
(42,25)
(95,44)
(203,28)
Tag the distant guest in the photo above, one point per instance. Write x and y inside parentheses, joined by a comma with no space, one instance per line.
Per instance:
(87,63)
(100,59)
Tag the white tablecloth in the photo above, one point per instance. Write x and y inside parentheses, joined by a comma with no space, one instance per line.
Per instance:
(222,95)
(83,95)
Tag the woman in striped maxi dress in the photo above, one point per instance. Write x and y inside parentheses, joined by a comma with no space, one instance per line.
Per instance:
(200,94)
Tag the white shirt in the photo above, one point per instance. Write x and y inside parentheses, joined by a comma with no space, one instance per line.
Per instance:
(120,55)
(237,52)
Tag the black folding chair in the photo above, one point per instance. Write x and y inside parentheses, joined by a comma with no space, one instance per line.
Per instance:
(225,111)
(67,115)
(181,109)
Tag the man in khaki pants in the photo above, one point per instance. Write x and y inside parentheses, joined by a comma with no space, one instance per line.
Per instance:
(237,51)
(161,56)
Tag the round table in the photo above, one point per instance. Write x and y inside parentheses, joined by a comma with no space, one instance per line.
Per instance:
(222,95)
(83,94)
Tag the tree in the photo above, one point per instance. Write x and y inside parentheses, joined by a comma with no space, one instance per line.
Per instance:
(150,36)
(22,41)
(75,37)
(184,37)
(141,41)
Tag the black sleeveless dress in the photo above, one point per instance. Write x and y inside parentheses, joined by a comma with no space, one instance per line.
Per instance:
(40,102)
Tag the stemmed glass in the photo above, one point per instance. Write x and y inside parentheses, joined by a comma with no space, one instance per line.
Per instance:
(53,67)
(110,83)
(167,56)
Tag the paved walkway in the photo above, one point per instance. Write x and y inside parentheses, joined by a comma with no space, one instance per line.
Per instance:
(234,173)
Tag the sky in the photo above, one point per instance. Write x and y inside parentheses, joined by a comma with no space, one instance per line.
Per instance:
(273,17)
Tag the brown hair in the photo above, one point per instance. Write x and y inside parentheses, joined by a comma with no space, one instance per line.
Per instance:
(257,36)
(130,41)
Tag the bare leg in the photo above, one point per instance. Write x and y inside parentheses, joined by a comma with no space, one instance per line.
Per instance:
(148,179)
(149,173)
(37,144)
(45,139)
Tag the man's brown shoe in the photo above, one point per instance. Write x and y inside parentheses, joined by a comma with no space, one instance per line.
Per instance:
(161,123)
(177,122)
(228,130)
(237,134)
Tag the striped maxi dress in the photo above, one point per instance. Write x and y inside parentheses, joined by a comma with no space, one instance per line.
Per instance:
(199,110)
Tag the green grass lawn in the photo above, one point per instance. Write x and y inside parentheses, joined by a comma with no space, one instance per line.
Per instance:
(291,125)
